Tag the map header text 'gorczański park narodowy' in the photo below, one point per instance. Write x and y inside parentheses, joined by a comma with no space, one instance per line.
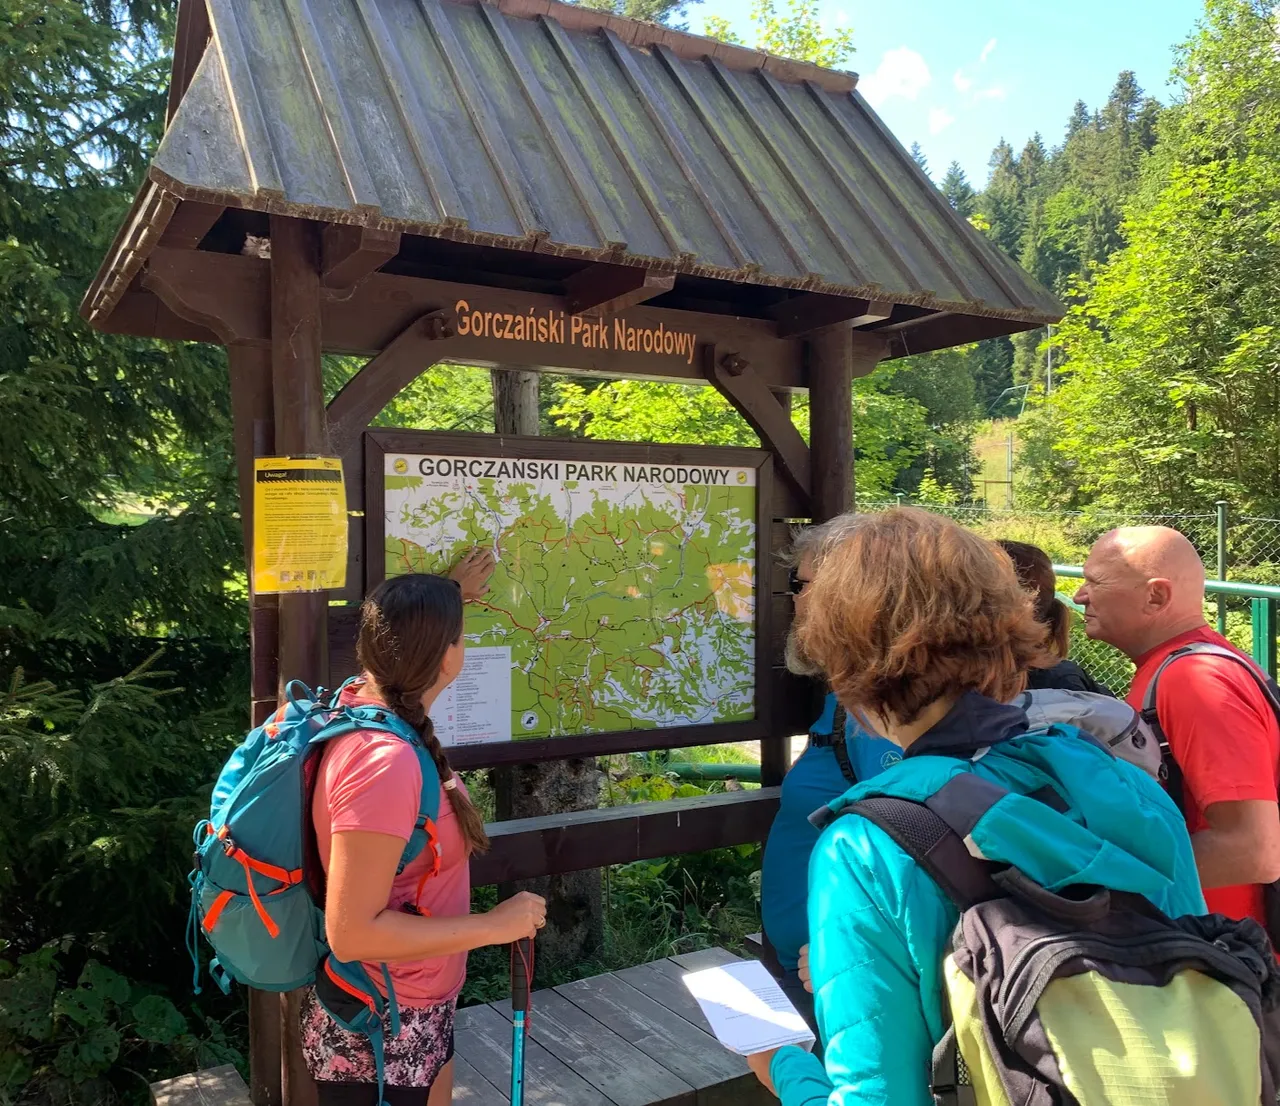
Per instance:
(558,328)
(496,468)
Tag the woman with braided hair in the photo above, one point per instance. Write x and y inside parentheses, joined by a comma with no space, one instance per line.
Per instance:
(365,805)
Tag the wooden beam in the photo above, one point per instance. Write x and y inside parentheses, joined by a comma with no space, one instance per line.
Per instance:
(411,353)
(608,289)
(804,314)
(181,279)
(349,254)
(944,329)
(836,356)
(232,291)
(739,383)
(143,312)
(298,405)
(525,848)
(189,224)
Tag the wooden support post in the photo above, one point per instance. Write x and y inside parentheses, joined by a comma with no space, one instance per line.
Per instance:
(298,394)
(298,400)
(835,358)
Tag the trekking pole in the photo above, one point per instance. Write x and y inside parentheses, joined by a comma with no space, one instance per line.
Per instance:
(521,985)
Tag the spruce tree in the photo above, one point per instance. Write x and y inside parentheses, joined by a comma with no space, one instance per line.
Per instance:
(959,192)
(118,535)
(917,155)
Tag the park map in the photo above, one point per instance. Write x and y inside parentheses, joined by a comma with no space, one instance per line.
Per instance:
(623,598)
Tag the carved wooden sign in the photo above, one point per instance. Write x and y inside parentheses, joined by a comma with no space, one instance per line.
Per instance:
(549,326)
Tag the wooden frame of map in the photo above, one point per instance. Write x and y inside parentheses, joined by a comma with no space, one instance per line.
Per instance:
(728,593)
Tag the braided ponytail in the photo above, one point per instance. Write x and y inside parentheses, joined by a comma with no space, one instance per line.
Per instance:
(407,626)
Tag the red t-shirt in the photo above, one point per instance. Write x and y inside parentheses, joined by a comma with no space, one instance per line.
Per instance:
(1224,736)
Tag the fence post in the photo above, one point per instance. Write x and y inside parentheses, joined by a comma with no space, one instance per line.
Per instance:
(1221,505)
(1264,634)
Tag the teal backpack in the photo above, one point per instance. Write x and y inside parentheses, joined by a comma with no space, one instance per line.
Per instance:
(257,877)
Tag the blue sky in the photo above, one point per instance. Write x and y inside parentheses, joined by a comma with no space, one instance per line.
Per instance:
(956,77)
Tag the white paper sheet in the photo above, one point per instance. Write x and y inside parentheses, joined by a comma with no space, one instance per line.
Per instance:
(476,707)
(746,1009)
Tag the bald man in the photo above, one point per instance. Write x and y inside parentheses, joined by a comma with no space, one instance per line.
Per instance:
(1143,593)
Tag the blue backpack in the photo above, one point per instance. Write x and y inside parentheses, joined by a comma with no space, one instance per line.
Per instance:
(252,888)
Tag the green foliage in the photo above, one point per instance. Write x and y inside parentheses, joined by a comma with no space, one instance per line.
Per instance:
(1171,399)
(959,192)
(118,538)
(96,1040)
(795,33)
(669,12)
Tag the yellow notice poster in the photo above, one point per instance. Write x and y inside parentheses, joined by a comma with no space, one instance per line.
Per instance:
(299,524)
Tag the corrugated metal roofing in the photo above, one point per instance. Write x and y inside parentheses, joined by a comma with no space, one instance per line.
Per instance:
(535,125)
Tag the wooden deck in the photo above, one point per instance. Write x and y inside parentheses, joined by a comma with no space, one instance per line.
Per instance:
(629,1038)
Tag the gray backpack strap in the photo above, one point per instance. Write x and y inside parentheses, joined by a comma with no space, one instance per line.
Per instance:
(1173,774)
(1268,687)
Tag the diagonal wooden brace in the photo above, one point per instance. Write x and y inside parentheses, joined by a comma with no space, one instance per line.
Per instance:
(750,396)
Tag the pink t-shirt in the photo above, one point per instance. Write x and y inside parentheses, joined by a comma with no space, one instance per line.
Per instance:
(372,781)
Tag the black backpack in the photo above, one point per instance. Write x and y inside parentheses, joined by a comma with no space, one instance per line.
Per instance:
(1039,986)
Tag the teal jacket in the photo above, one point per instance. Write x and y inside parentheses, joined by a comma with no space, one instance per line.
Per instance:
(879,925)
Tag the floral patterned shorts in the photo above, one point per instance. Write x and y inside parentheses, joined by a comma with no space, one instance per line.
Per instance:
(413,1059)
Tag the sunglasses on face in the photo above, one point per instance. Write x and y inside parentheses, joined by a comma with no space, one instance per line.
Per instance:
(795,583)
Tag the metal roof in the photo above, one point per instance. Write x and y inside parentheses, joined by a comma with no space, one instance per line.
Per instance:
(537,125)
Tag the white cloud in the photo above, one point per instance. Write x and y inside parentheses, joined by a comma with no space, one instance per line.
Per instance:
(962,83)
(995,92)
(901,72)
(939,120)
(986,51)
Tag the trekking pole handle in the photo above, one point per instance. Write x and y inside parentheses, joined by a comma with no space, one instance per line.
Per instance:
(521,967)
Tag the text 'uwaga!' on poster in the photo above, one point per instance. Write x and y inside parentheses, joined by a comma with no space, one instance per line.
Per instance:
(552,327)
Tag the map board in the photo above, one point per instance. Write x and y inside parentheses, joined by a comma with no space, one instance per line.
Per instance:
(624,598)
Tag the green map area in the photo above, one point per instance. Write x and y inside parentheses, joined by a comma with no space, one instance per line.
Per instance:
(625,605)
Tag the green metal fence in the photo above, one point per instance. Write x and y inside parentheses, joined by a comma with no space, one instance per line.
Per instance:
(1240,552)
(1114,669)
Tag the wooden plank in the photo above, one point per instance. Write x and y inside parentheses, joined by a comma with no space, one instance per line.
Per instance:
(608,289)
(702,958)
(804,314)
(221,1086)
(845,244)
(482,1037)
(766,200)
(344,627)
(621,1072)
(599,212)
(349,254)
(189,224)
(639,168)
(696,1057)
(232,291)
(189,41)
(681,150)
(237,313)
(472,1089)
(661,981)
(491,133)
(523,848)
